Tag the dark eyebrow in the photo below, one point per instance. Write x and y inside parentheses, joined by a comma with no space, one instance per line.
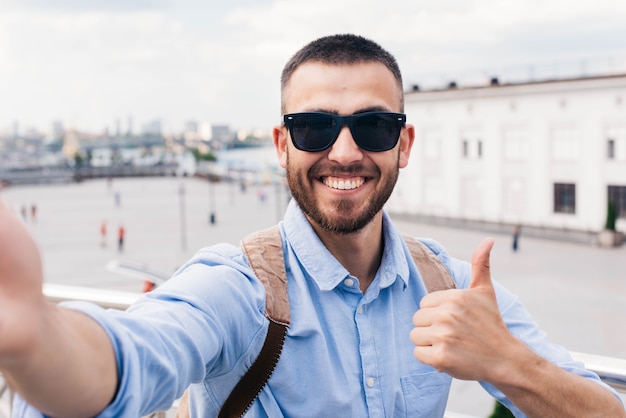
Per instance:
(364,110)
(372,109)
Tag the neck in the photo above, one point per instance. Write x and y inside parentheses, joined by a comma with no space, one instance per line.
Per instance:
(359,252)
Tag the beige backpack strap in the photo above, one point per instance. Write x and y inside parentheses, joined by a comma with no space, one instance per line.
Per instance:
(435,275)
(264,250)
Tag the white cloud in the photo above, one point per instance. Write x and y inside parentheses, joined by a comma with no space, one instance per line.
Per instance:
(89,64)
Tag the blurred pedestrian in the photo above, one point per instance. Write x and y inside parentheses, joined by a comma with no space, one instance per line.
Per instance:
(516,233)
(103,234)
(261,195)
(121,233)
(33,212)
(148,286)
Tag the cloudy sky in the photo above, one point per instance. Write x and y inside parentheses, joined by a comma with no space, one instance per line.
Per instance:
(90,63)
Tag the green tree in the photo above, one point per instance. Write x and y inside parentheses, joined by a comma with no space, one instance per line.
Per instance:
(501,411)
(200,156)
(611,216)
(78,159)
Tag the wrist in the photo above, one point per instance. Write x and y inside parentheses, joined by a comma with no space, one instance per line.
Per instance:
(518,368)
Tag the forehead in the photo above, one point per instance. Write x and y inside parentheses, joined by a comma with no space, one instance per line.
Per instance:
(344,88)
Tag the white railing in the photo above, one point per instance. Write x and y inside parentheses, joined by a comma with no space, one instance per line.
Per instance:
(113,299)
(610,369)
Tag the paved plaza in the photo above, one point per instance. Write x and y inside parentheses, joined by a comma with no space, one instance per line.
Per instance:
(576,292)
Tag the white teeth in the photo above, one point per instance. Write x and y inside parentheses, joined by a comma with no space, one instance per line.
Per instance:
(344,184)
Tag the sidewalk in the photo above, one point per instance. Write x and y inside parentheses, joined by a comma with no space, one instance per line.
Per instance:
(576,293)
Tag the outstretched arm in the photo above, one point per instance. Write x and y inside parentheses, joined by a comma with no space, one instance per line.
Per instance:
(60,361)
(462,333)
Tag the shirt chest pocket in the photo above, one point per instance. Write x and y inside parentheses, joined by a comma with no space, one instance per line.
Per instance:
(425,395)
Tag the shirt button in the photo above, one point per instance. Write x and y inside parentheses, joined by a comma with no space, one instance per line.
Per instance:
(370,382)
(360,310)
(348,282)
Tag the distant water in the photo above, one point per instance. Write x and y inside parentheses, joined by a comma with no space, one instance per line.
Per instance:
(257,158)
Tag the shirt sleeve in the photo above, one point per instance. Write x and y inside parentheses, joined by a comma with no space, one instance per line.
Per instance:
(189,328)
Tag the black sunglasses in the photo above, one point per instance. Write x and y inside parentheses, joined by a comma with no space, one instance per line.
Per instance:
(372,131)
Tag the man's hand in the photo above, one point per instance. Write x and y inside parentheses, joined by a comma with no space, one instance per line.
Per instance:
(59,360)
(461,332)
(21,299)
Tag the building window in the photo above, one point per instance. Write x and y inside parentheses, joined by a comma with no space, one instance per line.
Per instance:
(472,147)
(564,198)
(617,195)
(616,144)
(434,195)
(432,145)
(516,145)
(514,196)
(565,145)
(610,149)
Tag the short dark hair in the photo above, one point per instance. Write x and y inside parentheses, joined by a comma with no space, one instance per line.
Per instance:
(341,49)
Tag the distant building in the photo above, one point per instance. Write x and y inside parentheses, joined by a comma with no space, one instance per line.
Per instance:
(191,127)
(545,154)
(58,130)
(221,133)
(71,145)
(152,128)
(204,131)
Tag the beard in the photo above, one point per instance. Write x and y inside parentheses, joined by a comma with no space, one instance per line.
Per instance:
(342,216)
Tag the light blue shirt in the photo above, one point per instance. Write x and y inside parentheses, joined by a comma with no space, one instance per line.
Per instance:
(347,354)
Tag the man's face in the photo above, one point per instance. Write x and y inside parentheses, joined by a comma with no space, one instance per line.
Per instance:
(342,188)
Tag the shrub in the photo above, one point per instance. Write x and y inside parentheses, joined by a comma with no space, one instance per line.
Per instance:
(611,216)
(501,411)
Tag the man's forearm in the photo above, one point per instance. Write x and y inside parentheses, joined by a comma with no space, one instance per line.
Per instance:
(541,389)
(69,370)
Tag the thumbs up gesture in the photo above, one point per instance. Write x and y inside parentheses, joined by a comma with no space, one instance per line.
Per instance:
(461,331)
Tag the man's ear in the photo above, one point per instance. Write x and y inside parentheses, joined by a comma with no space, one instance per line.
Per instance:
(406,144)
(280,135)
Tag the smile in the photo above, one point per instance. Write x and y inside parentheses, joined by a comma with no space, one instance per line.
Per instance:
(343,184)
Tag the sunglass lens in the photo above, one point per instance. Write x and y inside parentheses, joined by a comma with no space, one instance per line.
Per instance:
(313,132)
(377,132)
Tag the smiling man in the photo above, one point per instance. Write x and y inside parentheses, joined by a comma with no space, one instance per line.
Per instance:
(340,186)
(365,339)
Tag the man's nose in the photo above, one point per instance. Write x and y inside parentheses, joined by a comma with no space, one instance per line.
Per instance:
(345,150)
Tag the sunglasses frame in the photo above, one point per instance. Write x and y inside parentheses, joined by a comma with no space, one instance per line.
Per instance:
(340,122)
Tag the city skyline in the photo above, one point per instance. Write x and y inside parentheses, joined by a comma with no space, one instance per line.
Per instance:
(92,65)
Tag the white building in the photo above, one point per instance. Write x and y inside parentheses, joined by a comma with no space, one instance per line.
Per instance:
(547,155)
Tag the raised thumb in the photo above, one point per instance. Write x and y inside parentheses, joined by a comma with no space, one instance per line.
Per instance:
(481,272)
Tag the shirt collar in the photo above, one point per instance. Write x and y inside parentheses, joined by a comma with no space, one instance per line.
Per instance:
(322,266)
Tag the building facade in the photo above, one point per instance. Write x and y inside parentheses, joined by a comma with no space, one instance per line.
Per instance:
(546,155)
